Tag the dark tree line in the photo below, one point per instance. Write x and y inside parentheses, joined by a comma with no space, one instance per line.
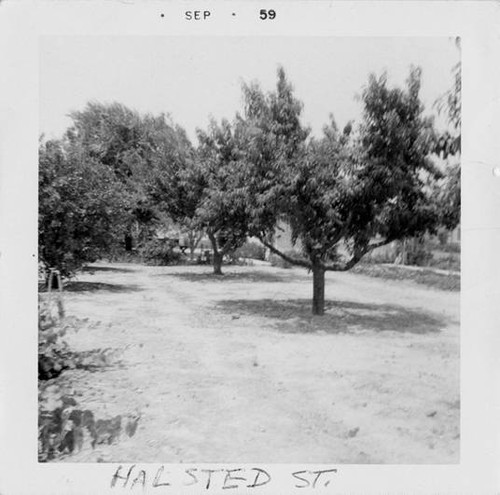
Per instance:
(343,194)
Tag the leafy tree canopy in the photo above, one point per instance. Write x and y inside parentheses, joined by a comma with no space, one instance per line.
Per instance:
(81,208)
(222,209)
(94,182)
(347,193)
(139,149)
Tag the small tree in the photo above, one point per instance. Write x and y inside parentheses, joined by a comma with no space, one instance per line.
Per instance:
(202,190)
(342,197)
(222,210)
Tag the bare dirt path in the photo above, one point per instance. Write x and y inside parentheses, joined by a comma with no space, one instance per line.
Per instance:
(234,369)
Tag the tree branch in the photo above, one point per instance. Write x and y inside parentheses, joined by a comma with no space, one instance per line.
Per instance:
(343,267)
(358,254)
(380,243)
(293,261)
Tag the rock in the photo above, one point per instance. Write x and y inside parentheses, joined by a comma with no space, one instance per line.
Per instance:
(431,414)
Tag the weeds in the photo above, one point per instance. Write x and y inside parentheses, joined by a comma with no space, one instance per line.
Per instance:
(68,429)
(63,427)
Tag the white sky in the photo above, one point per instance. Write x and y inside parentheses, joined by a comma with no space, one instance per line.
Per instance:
(192,78)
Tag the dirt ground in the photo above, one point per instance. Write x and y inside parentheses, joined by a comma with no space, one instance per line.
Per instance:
(234,369)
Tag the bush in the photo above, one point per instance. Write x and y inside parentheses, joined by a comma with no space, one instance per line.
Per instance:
(54,353)
(159,252)
(382,256)
(251,250)
(63,428)
(420,256)
(446,262)
(452,247)
(66,429)
(278,261)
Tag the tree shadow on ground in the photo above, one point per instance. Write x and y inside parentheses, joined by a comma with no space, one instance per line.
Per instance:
(92,269)
(77,286)
(294,316)
(250,276)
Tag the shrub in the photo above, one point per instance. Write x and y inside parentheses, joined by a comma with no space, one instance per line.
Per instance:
(447,262)
(420,256)
(54,353)
(159,252)
(452,247)
(281,263)
(251,250)
(278,261)
(66,429)
(382,256)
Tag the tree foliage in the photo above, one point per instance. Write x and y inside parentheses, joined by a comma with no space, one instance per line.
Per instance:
(95,182)
(116,137)
(222,209)
(273,140)
(448,145)
(82,209)
(396,170)
(342,195)
(136,148)
(203,190)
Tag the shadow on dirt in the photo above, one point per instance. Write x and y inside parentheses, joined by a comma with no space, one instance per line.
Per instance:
(250,276)
(294,316)
(98,286)
(94,269)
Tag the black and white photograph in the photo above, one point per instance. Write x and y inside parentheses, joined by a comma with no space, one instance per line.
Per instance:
(249,249)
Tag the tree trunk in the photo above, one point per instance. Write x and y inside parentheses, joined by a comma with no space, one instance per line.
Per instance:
(51,282)
(128,242)
(217,263)
(217,255)
(194,238)
(318,304)
(404,252)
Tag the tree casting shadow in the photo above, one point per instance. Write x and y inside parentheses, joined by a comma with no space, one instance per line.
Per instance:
(294,316)
(98,286)
(250,276)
